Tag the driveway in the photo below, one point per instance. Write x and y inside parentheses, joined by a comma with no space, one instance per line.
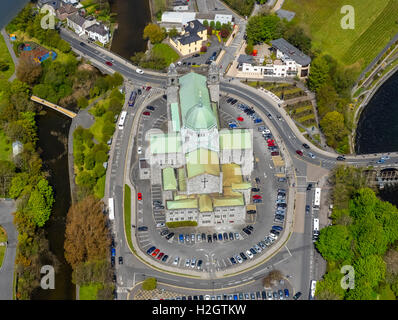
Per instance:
(7,268)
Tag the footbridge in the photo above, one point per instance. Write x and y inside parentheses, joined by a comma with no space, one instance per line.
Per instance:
(51,105)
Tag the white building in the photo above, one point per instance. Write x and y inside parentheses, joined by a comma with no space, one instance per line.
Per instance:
(92,28)
(179,19)
(290,62)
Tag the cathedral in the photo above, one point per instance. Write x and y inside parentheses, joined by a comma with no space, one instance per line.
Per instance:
(204,170)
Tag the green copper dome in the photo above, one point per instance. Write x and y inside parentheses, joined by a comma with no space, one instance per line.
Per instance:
(200,117)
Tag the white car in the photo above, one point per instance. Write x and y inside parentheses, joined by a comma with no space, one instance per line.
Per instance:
(311,155)
(176,260)
(258,249)
(266,131)
(187,262)
(249,254)
(139,150)
(179,63)
(237,236)
(238,257)
(207,297)
(139,71)
(160,225)
(273,236)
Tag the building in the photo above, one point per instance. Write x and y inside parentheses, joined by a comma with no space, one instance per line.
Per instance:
(91,28)
(65,11)
(179,19)
(204,170)
(192,38)
(289,62)
(180,5)
(51,5)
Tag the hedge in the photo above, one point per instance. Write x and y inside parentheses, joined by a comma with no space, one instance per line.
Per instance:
(178,224)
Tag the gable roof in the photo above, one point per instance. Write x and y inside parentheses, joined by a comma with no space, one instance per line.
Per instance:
(98,28)
(202,161)
(194,26)
(77,18)
(235,139)
(291,51)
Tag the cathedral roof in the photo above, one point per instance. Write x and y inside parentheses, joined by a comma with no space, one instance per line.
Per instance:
(169,179)
(199,117)
(202,161)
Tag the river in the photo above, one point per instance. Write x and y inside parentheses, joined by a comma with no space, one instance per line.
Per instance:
(9,9)
(377,130)
(132,17)
(53,129)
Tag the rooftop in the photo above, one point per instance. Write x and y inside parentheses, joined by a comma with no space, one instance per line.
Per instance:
(98,28)
(165,143)
(291,51)
(202,161)
(235,139)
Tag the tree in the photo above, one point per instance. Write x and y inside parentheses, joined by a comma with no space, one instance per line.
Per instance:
(40,202)
(28,70)
(205,23)
(369,237)
(333,127)
(273,276)
(154,33)
(173,32)
(370,269)
(4,65)
(212,24)
(149,284)
(329,287)
(218,25)
(318,73)
(82,102)
(86,235)
(334,243)
(249,48)
(299,39)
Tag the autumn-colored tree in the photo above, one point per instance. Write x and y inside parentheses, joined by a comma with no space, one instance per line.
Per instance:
(28,70)
(86,235)
(274,275)
(154,33)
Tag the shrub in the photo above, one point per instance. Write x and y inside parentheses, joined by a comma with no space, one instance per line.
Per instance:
(149,284)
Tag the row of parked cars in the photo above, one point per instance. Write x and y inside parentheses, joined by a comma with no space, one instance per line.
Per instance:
(281,207)
(250,112)
(155,253)
(259,295)
(210,238)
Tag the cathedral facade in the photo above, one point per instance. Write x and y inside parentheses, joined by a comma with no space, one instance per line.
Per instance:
(204,170)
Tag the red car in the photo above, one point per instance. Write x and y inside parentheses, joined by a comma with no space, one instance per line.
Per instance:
(139,196)
(240,119)
(160,256)
(148,88)
(299,152)
(109,63)
(155,253)
(256,196)
(146,113)
(271,144)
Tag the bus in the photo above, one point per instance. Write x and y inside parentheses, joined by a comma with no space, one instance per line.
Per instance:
(312,289)
(317,198)
(315,233)
(122,119)
(132,98)
(111,209)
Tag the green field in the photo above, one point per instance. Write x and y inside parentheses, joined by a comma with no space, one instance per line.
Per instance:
(5,147)
(375,25)
(89,292)
(5,55)
(165,51)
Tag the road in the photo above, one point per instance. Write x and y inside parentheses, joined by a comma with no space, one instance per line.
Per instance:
(7,268)
(297,256)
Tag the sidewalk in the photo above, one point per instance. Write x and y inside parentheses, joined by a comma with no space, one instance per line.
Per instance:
(11,51)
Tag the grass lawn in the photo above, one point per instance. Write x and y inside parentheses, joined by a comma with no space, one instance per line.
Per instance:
(3,238)
(127,214)
(5,148)
(5,55)
(375,25)
(89,292)
(166,52)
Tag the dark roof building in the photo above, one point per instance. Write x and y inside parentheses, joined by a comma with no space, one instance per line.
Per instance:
(194,26)
(191,33)
(77,19)
(53,3)
(244,58)
(291,51)
(98,28)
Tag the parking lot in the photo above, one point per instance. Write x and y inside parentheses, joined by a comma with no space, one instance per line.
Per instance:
(213,249)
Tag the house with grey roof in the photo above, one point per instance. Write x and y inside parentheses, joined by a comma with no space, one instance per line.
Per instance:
(192,38)
(289,62)
(90,28)
(51,5)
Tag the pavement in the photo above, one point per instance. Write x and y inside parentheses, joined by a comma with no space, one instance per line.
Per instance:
(7,207)
(11,51)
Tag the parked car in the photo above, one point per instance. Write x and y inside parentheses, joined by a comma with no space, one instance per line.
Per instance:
(257,196)
(198,238)
(160,225)
(209,240)
(220,236)
(255,190)
(120,260)
(150,250)
(193,262)
(164,232)
(150,108)
(203,236)
(187,262)
(247,231)
(237,236)
(286,291)
(215,236)
(146,113)
(176,260)
(297,296)
(239,259)
(143,228)
(181,237)
(199,266)
(160,256)
(164,259)
(251,211)
(278,228)
(307,209)
(170,235)
(231,236)
(225,236)
(249,254)
(252,250)
(309,187)
(155,253)
(257,201)
(243,256)
(233,261)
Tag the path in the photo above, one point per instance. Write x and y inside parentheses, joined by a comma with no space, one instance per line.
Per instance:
(7,207)
(12,53)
